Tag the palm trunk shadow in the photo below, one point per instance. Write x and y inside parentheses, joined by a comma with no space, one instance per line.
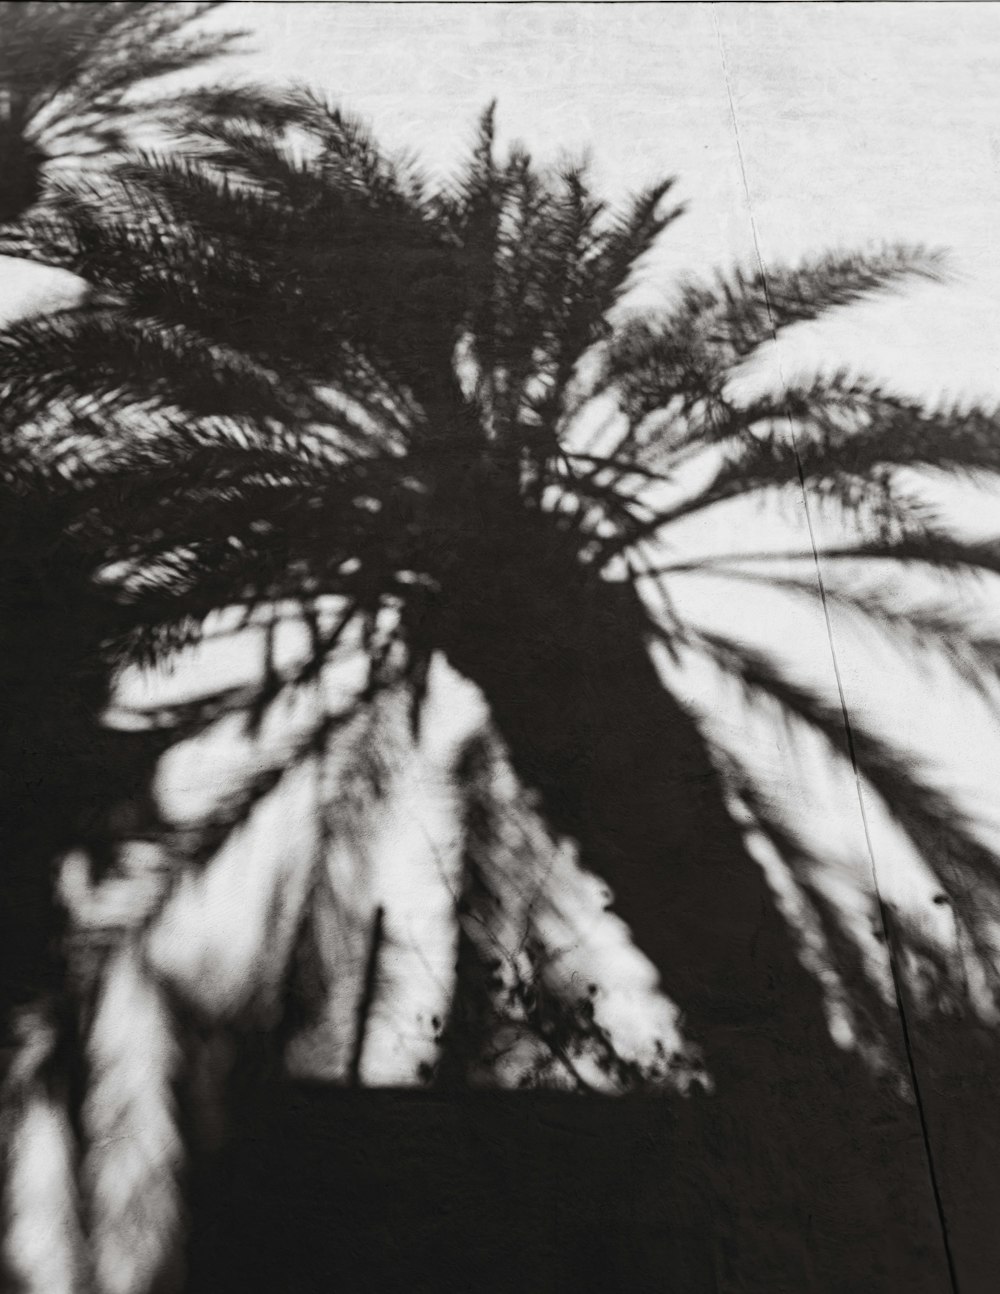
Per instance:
(812,1170)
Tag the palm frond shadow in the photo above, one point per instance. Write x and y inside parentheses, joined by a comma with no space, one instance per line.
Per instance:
(68,80)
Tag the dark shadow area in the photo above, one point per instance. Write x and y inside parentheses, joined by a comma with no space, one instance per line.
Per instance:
(958,1061)
(61,771)
(383,1191)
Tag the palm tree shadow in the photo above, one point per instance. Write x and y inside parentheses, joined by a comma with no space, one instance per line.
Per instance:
(804,1169)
